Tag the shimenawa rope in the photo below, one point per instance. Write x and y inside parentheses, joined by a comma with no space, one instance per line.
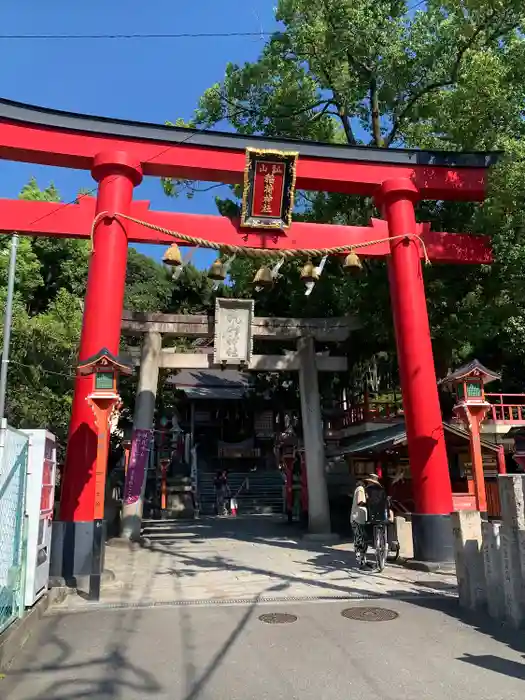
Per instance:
(255,252)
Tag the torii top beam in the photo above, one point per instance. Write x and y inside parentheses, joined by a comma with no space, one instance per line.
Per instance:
(52,137)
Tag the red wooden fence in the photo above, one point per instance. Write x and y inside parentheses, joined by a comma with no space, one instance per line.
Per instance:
(506,408)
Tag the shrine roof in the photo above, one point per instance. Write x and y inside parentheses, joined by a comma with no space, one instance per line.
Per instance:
(228,384)
(474,369)
(11,111)
(377,441)
(105,357)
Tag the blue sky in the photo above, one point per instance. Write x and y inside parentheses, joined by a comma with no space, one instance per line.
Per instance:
(144,80)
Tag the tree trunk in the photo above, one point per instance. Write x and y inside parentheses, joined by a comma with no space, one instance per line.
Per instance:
(374,108)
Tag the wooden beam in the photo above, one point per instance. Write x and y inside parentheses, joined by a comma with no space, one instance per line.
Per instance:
(259,363)
(326,329)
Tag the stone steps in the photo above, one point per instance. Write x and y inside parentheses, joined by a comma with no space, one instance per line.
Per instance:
(264,493)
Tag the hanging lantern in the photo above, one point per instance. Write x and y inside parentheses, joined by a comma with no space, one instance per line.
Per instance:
(217,271)
(172,256)
(309,273)
(352,263)
(263,278)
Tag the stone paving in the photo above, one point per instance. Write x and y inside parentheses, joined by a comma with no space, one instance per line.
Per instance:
(230,560)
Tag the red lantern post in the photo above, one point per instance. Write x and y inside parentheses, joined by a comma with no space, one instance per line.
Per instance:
(471,408)
(103,400)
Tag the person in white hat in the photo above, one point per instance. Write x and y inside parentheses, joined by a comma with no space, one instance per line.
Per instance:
(369,504)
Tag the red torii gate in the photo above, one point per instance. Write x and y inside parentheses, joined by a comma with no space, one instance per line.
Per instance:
(118,153)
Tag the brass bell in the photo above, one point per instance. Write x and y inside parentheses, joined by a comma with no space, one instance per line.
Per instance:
(352,263)
(172,256)
(217,271)
(309,273)
(263,277)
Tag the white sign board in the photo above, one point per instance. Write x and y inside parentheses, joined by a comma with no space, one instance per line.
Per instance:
(233,331)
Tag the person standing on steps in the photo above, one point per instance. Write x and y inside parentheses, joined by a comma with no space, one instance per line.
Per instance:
(221,492)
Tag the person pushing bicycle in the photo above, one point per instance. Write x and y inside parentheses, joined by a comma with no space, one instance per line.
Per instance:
(370,517)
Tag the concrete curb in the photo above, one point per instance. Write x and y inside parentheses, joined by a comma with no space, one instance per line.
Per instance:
(13,639)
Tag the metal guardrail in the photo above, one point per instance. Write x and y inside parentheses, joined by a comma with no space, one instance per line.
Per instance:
(14,449)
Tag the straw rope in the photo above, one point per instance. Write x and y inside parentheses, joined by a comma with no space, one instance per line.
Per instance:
(255,252)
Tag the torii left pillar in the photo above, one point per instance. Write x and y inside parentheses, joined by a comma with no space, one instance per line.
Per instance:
(117,174)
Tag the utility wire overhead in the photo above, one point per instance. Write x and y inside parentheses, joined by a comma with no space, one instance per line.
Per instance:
(182,35)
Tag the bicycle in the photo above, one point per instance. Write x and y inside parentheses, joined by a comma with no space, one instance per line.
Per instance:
(380,545)
(377,538)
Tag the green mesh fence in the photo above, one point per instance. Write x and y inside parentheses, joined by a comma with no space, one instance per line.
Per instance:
(14,447)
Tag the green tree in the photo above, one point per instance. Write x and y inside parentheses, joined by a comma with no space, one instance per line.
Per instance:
(446,75)
(343,64)
(51,277)
(63,261)
(148,284)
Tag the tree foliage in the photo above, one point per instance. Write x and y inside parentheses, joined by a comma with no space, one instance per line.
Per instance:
(50,284)
(389,73)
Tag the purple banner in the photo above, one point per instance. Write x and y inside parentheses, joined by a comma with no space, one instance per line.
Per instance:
(140,443)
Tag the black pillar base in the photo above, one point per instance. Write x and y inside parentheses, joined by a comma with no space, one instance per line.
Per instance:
(432,537)
(73,554)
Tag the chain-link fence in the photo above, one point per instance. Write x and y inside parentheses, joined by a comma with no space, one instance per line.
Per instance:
(14,448)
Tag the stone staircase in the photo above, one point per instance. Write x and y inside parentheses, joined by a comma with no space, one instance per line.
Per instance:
(263,496)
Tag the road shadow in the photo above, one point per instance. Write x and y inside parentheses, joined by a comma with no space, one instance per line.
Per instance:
(51,668)
(196,683)
(506,667)
(177,541)
(327,560)
(64,674)
(479,620)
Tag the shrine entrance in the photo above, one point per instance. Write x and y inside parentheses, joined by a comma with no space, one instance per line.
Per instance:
(120,153)
(233,330)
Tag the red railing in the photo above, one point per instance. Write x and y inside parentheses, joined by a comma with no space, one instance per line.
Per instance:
(506,408)
(370,411)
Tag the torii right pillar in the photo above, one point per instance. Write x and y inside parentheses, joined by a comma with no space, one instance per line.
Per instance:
(431,525)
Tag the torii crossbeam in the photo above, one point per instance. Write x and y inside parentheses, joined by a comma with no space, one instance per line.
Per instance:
(118,153)
(76,220)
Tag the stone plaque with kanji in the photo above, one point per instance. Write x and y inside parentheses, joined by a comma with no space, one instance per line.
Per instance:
(233,340)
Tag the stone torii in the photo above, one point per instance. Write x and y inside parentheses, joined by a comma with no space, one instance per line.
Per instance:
(304,332)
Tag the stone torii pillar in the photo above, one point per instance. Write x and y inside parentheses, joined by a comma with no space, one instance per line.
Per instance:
(318,505)
(136,474)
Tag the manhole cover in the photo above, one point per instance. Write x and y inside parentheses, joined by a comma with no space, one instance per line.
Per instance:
(277,618)
(370,614)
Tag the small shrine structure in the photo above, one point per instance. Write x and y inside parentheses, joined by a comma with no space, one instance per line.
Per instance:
(471,407)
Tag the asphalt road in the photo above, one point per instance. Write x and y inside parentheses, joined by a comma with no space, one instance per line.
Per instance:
(227,653)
